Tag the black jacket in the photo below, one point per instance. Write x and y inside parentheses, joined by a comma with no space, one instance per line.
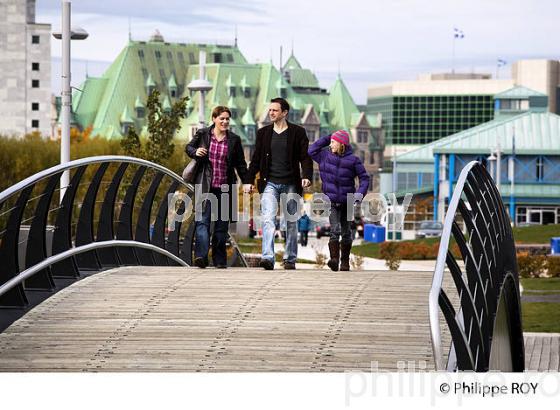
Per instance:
(235,159)
(297,153)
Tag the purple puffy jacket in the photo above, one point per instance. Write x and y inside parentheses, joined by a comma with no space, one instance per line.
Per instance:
(338,172)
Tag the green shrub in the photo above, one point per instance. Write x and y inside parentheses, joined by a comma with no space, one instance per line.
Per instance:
(531,266)
(553,266)
(390,252)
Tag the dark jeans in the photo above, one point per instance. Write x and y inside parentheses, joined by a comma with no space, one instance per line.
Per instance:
(219,236)
(303,237)
(340,225)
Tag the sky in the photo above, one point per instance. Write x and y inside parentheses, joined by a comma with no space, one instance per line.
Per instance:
(367,41)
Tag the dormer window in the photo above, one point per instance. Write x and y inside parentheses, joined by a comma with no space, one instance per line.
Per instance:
(232,91)
(140,112)
(247,93)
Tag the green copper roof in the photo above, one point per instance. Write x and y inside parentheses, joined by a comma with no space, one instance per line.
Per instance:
(535,133)
(172,83)
(166,105)
(125,116)
(247,118)
(518,92)
(138,103)
(168,66)
(341,105)
(292,63)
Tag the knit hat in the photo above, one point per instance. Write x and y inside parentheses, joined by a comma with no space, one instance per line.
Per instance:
(341,136)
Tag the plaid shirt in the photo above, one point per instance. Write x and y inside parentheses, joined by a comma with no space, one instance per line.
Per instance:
(218,156)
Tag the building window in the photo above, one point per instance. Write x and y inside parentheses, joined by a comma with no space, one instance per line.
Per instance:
(35,39)
(251,132)
(233,113)
(229,58)
(173,92)
(141,54)
(372,157)
(192,60)
(124,128)
(311,135)
(145,73)
(35,83)
(218,57)
(158,54)
(247,93)
(283,93)
(540,168)
(140,112)
(34,123)
(362,136)
(232,92)
(35,106)
(162,75)
(35,66)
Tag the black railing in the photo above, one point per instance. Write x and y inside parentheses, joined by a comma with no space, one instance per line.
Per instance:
(485,321)
(114,212)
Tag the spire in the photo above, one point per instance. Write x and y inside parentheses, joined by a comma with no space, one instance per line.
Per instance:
(129,30)
(235,43)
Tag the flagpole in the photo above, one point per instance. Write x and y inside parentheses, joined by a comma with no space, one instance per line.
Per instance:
(453,57)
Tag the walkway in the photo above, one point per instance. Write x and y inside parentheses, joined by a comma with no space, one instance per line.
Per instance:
(183,319)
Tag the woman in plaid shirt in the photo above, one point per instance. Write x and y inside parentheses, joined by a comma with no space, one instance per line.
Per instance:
(220,154)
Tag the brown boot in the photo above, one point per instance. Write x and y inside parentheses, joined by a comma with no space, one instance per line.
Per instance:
(334,249)
(345,256)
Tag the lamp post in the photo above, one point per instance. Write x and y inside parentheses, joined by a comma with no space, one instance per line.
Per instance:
(201,85)
(66,35)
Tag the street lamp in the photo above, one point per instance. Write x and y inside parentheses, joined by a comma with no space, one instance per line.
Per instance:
(66,35)
(201,85)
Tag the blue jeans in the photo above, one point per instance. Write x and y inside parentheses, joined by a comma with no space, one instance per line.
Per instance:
(269,207)
(219,237)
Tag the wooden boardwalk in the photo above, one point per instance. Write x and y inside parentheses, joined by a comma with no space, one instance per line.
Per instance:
(185,319)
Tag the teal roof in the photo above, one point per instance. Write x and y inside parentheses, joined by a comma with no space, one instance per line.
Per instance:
(292,63)
(341,105)
(425,153)
(518,92)
(125,116)
(169,65)
(535,133)
(247,118)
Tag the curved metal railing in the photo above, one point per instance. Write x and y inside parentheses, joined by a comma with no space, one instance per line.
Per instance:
(114,212)
(485,320)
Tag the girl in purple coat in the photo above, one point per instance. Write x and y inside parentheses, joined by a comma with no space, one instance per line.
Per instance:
(339,168)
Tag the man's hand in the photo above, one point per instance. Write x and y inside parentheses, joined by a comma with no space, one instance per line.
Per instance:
(247,188)
(305,183)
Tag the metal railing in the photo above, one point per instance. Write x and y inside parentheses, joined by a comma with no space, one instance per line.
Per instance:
(113,213)
(485,320)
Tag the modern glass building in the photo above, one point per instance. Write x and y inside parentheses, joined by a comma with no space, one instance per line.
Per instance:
(421,119)
(434,106)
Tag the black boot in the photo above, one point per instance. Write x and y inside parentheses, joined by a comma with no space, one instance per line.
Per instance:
(345,256)
(334,250)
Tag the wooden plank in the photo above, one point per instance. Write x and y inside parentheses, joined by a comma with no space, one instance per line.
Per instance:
(177,319)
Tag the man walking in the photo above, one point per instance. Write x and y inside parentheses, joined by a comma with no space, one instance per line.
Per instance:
(303,228)
(280,151)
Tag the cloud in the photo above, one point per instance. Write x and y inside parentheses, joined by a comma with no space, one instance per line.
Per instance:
(385,40)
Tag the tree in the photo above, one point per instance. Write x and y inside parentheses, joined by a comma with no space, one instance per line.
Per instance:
(162,126)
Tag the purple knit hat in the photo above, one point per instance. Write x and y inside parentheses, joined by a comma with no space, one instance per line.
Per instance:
(341,136)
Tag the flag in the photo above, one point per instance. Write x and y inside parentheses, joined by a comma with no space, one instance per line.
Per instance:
(501,62)
(458,33)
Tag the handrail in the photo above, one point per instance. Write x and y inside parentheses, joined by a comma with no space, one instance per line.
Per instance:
(91,236)
(488,314)
(88,161)
(26,274)
(437,280)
